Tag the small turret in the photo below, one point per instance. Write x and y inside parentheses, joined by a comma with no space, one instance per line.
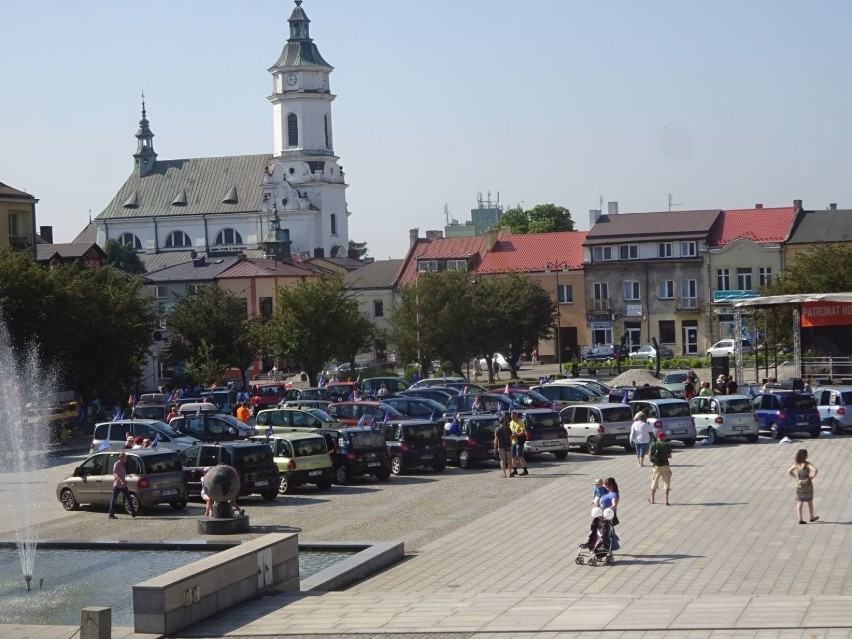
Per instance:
(145,157)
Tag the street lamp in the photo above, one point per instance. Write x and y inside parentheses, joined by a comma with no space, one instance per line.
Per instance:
(555,267)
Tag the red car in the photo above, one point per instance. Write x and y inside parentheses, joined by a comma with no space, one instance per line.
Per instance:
(363,413)
(525,398)
(266,395)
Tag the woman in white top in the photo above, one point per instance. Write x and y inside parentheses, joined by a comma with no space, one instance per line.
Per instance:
(640,435)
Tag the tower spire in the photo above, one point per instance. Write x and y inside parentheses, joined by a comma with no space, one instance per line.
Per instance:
(145,157)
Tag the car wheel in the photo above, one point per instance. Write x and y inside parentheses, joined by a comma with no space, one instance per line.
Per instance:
(593,445)
(689,443)
(775,431)
(383,474)
(269,495)
(464,459)
(439,468)
(396,465)
(132,505)
(178,505)
(815,433)
(324,485)
(283,485)
(560,455)
(69,501)
(341,475)
(835,427)
(711,436)
(752,439)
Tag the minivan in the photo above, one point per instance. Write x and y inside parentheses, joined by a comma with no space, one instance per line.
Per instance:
(215,427)
(671,416)
(252,461)
(279,418)
(835,407)
(416,443)
(116,434)
(598,426)
(301,457)
(474,441)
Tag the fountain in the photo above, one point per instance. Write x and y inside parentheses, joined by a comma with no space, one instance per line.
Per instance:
(24,435)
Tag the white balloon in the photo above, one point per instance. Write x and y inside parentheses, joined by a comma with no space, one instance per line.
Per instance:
(597,511)
(608,514)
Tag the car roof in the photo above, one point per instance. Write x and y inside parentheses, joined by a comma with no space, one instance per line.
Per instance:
(235,444)
(660,401)
(600,405)
(142,452)
(358,402)
(288,435)
(724,397)
(837,387)
(133,421)
(533,410)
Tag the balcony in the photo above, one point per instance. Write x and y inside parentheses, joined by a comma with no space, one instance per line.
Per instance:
(600,305)
(20,241)
(687,305)
(733,295)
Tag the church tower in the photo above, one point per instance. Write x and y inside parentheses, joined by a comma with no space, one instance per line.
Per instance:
(145,158)
(304,182)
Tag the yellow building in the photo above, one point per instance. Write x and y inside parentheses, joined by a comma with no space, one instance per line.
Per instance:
(17,219)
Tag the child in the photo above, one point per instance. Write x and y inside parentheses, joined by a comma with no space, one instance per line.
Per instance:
(599,492)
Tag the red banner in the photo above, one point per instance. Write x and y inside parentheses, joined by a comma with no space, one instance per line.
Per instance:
(826,314)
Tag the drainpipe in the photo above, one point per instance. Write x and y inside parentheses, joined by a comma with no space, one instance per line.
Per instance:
(206,239)
(156,236)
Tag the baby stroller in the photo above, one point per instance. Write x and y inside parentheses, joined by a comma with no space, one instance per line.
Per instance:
(602,539)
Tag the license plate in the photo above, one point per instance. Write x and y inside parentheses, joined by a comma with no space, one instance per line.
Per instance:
(262,482)
(549,444)
(314,473)
(169,491)
(374,464)
(679,431)
(427,456)
(802,424)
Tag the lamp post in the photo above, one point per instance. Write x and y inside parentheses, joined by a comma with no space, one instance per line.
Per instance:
(555,267)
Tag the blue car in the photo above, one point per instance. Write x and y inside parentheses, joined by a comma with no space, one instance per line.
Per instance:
(786,412)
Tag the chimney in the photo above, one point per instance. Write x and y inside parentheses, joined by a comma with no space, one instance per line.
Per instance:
(505,230)
(594,216)
(831,207)
(319,252)
(413,234)
(797,205)
(46,232)
(490,239)
(200,260)
(758,206)
(431,235)
(612,208)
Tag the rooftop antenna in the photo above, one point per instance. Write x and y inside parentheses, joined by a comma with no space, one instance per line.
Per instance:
(450,218)
(673,203)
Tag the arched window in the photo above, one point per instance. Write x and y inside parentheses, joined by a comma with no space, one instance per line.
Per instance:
(325,120)
(334,223)
(228,236)
(292,130)
(131,240)
(177,239)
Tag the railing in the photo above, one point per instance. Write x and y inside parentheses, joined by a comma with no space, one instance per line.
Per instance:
(837,370)
(687,304)
(600,305)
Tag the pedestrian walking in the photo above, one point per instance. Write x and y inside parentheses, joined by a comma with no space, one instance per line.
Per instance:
(804,473)
(518,440)
(503,444)
(640,436)
(119,485)
(659,453)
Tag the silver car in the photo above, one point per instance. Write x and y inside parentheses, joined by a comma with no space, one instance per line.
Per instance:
(835,407)
(115,433)
(670,416)
(724,416)
(596,427)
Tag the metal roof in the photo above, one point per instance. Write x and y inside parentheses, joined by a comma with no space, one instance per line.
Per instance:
(71,250)
(206,185)
(88,235)
(265,267)
(834,225)
(633,227)
(378,274)
(204,268)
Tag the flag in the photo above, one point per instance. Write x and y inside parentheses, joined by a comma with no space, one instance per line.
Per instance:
(363,419)
(553,405)
(751,392)
(104,445)
(156,441)
(358,379)
(387,416)
(624,398)
(118,415)
(506,390)
(269,432)
(373,419)
(321,382)
(351,397)
(517,383)
(432,416)
(445,376)
(198,412)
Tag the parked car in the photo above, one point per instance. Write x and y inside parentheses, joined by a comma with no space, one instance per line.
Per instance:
(599,387)
(438,381)
(474,440)
(251,459)
(525,397)
(370,386)
(724,416)
(835,407)
(116,434)
(438,394)
(675,383)
(787,412)
(313,392)
(491,403)
(322,404)
(302,458)
(153,477)
(341,391)
(417,407)
(544,432)
(568,394)
(500,360)
(211,427)
(618,393)
(415,443)
(596,427)
(284,418)
(152,406)
(361,413)
(603,353)
(726,347)
(327,420)
(671,416)
(265,395)
(358,450)
(649,353)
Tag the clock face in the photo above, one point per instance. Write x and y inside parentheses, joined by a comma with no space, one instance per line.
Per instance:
(291,79)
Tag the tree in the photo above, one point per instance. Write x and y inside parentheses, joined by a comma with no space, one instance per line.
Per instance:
(517,220)
(217,317)
(359,337)
(203,365)
(313,322)
(359,247)
(123,257)
(542,218)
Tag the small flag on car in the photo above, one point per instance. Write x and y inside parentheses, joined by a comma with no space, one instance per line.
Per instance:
(156,441)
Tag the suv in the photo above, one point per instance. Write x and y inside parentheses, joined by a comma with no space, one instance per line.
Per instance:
(835,407)
(596,427)
(252,461)
(544,432)
(785,412)
(474,441)
(279,418)
(116,434)
(302,458)
(671,416)
(357,451)
(370,386)
(415,443)
(603,353)
(153,477)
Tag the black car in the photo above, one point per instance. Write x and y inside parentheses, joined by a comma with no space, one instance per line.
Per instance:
(544,432)
(439,394)
(357,450)
(617,394)
(253,462)
(474,440)
(603,353)
(415,443)
(417,407)
(491,403)
(211,427)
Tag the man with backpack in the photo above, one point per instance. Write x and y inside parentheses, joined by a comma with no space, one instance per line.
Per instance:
(659,455)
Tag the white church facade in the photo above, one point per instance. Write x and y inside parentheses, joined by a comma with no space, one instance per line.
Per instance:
(227,204)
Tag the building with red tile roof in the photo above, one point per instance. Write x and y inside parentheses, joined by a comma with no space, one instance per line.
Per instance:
(437,253)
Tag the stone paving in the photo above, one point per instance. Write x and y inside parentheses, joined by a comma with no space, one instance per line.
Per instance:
(726,560)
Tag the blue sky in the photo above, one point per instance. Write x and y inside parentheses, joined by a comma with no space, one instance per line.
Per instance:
(724,104)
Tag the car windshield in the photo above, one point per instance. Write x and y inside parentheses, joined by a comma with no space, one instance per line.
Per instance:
(150,412)
(674,378)
(676,409)
(795,401)
(422,431)
(321,415)
(163,427)
(309,447)
(365,440)
(165,463)
(734,406)
(314,393)
(543,420)
(617,414)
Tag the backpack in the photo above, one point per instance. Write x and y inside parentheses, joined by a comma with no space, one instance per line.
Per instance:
(656,455)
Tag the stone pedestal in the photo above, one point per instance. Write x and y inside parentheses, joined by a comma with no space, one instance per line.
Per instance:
(223,525)
(95,623)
